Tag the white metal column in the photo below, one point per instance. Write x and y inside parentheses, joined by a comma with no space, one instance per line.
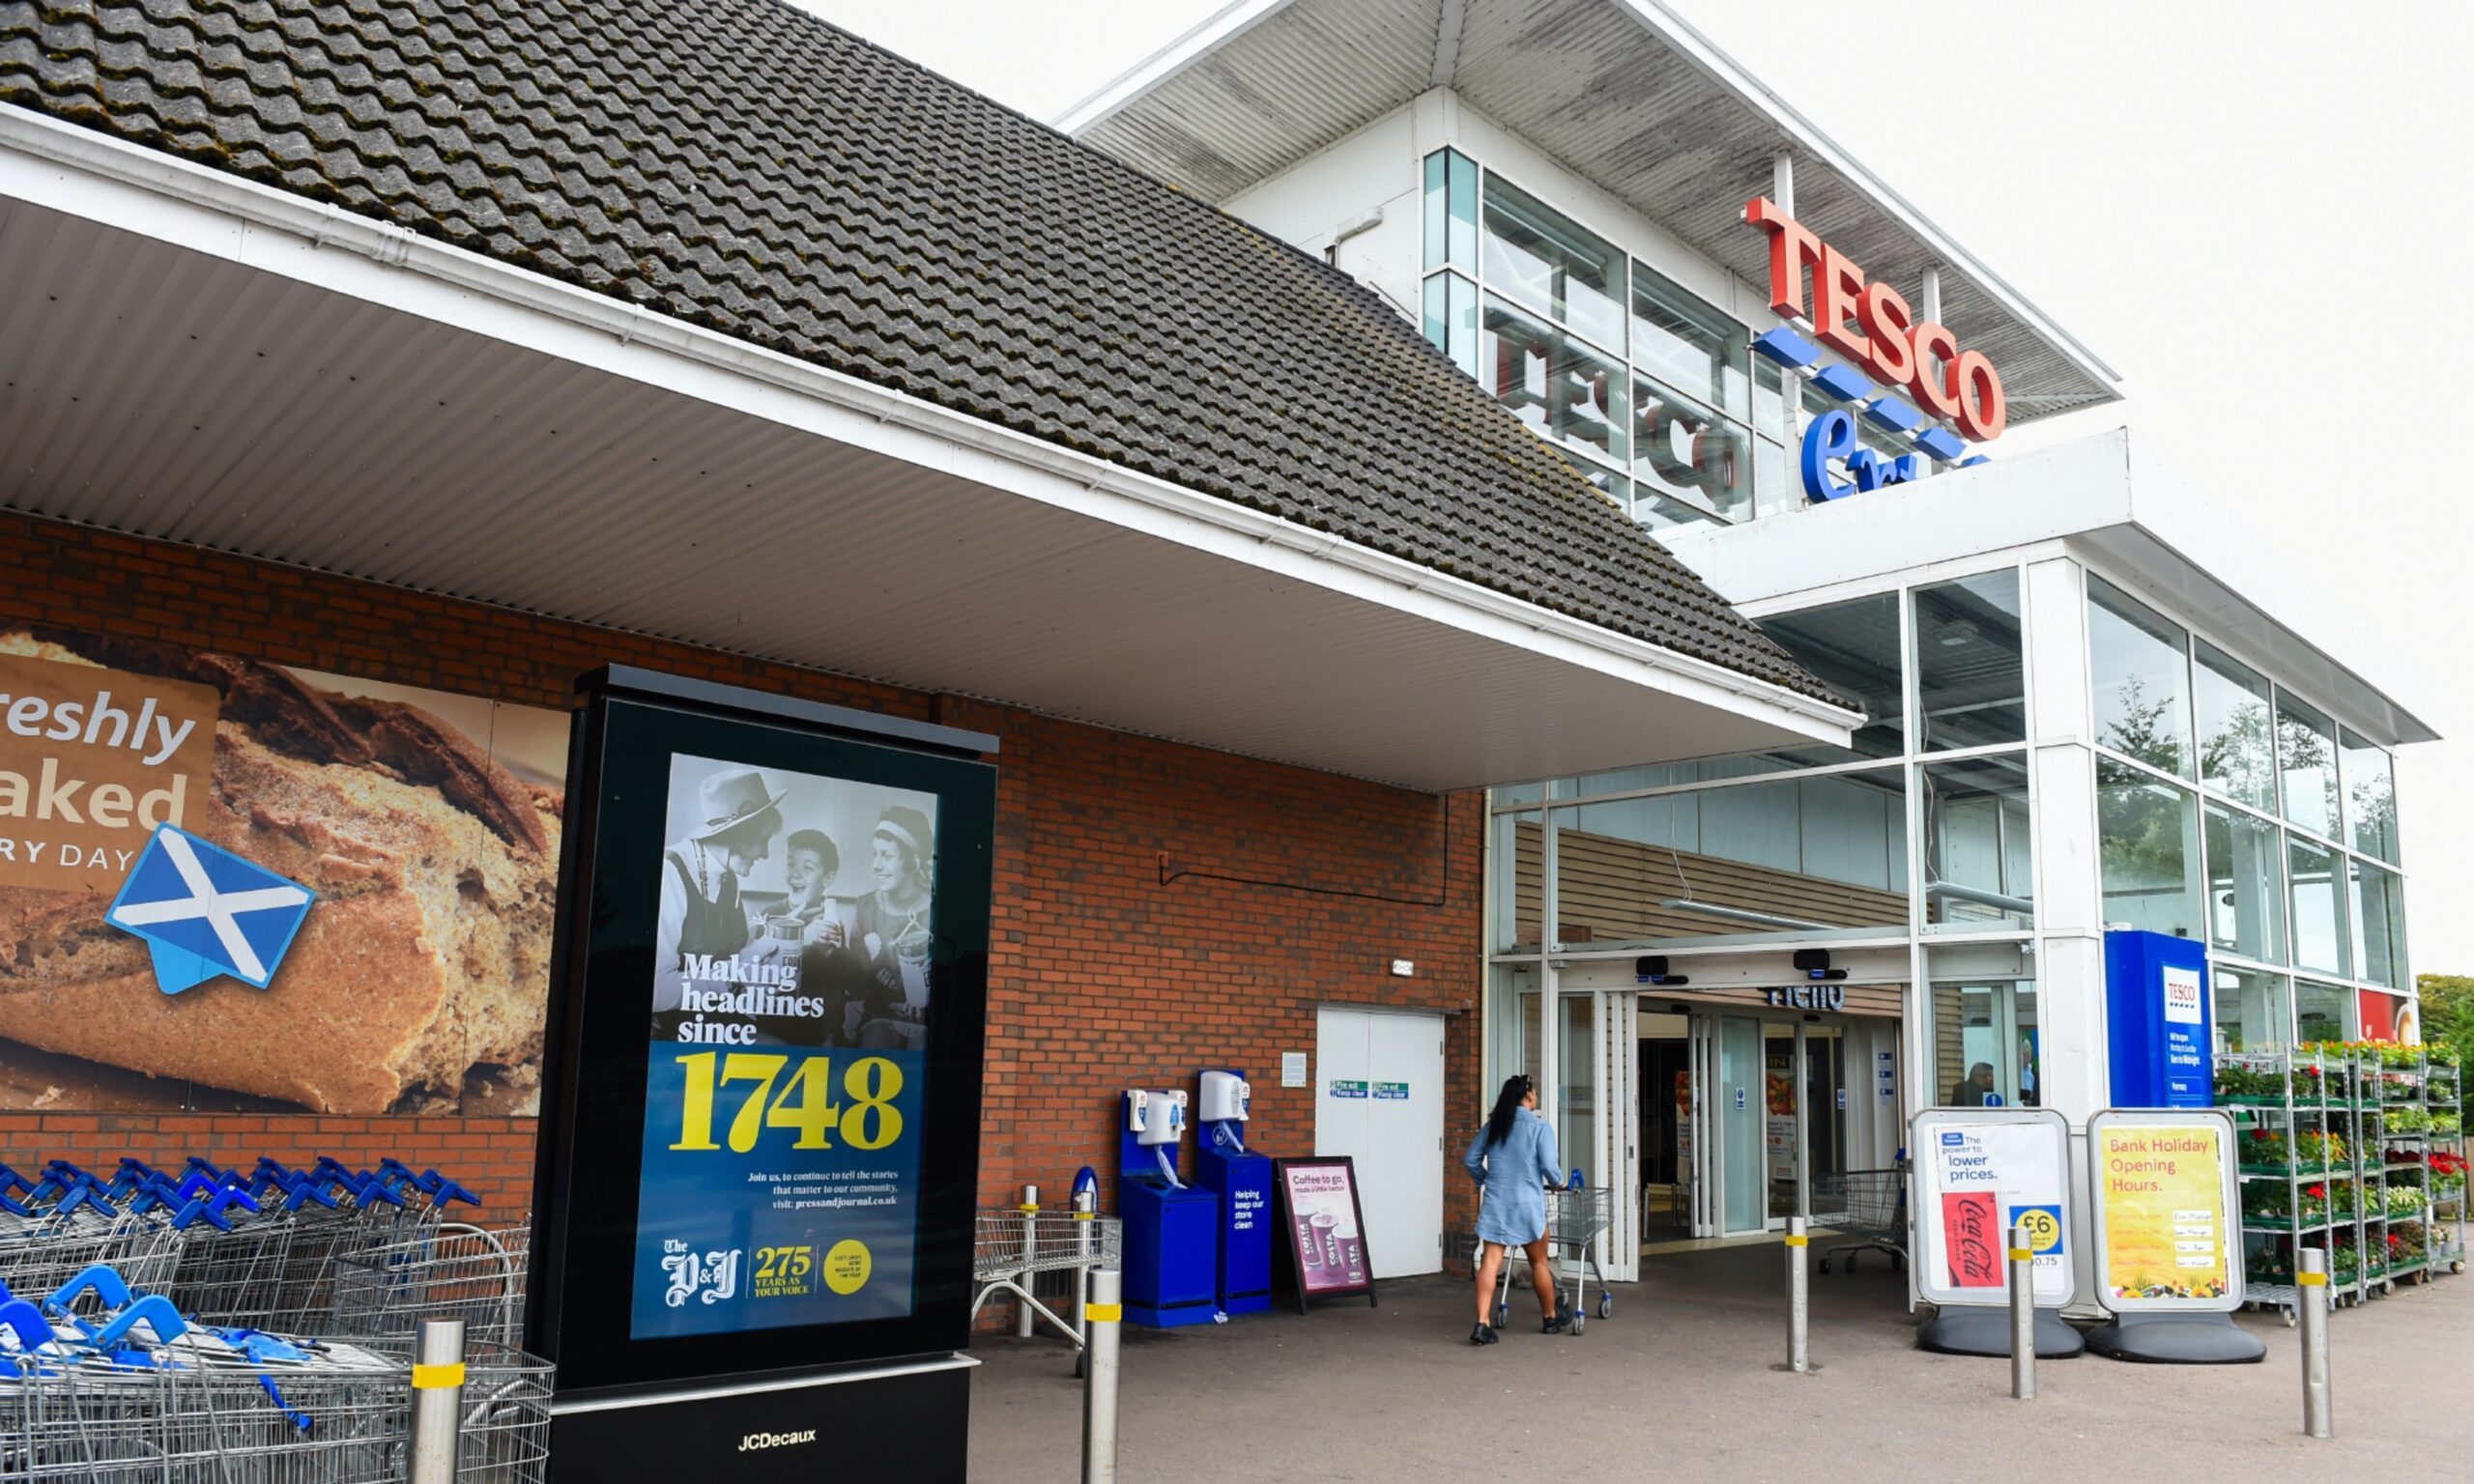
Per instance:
(1706,1132)
(1621,1112)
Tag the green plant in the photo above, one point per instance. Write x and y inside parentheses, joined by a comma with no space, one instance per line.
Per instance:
(2406,1120)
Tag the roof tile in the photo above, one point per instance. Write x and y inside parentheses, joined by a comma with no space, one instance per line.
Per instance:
(742,165)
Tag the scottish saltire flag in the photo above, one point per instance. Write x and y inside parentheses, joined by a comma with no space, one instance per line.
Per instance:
(204,912)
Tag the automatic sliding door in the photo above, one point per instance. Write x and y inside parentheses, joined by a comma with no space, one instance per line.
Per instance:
(1742,1112)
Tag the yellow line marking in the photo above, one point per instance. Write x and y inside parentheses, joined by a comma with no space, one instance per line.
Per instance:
(1104,1313)
(438,1378)
(1797,1242)
(2311,1279)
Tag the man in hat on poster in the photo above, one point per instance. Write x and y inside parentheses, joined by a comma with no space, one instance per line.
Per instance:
(738,814)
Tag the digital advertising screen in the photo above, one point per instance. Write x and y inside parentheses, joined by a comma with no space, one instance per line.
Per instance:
(761,1122)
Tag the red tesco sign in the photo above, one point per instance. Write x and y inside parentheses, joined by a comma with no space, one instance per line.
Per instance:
(1924,359)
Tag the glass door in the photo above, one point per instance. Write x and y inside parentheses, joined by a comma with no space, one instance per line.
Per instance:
(1744,1103)
(1697,1152)
(1987,1046)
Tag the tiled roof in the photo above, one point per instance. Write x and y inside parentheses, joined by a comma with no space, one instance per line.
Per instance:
(743,166)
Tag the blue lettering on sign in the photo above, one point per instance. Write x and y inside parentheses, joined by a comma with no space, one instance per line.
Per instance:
(1954,1138)
(1831,441)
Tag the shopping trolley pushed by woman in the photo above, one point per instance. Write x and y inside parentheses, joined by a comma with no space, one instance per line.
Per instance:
(1576,1215)
(1869,1206)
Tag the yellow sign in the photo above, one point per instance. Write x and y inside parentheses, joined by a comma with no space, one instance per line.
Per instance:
(847,1265)
(2043,1229)
(2161,1196)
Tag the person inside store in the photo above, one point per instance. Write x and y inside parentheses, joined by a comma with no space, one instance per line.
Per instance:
(1515,1162)
(890,934)
(738,814)
(1977,1090)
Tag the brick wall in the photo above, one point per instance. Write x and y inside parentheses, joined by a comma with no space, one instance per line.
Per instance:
(1159,907)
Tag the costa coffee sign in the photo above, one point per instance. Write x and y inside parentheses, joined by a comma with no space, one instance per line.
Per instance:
(1872,324)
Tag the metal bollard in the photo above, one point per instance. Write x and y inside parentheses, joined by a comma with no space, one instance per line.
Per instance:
(438,1401)
(2311,1290)
(1799,1297)
(1030,1255)
(1086,1220)
(2022,1316)
(1103,1318)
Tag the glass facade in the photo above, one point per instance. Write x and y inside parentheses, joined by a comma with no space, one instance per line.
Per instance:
(1855,647)
(2295,826)
(2147,848)
(2224,810)
(2307,766)
(2246,885)
(2371,797)
(1545,261)
(1566,391)
(1979,856)
(2142,669)
(2254,1010)
(1970,672)
(1656,388)
(2237,747)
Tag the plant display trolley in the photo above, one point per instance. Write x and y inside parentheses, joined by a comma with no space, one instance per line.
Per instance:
(2357,1149)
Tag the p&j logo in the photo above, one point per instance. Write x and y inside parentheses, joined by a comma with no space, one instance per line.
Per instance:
(204,912)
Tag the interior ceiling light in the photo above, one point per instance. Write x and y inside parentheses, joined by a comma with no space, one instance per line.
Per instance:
(1741,914)
(1957,634)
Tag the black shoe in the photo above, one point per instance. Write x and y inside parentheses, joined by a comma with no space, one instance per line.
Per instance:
(1483,1334)
(1555,1325)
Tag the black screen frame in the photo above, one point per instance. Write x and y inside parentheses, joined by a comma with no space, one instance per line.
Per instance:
(589,1159)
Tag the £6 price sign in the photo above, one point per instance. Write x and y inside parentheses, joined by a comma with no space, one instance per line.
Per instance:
(1978,1173)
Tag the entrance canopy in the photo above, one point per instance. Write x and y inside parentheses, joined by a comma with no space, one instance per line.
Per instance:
(722,325)
(218,365)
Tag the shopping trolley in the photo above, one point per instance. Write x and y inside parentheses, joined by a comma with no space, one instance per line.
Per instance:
(1013,1246)
(1576,1217)
(100,1385)
(1867,1205)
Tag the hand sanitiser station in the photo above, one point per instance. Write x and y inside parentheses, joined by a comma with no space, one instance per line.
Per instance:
(1171,1229)
(1244,1183)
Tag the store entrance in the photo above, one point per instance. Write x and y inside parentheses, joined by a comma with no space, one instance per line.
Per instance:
(1742,1113)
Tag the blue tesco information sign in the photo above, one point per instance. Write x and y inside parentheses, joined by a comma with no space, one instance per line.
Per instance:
(2159,1021)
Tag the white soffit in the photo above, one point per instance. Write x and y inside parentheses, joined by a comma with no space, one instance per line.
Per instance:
(2080,496)
(327,397)
(1623,92)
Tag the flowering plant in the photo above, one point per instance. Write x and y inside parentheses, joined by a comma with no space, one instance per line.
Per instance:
(2447,1175)
(2404,1200)
(2406,1121)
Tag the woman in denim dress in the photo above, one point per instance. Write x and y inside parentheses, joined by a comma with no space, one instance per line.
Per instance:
(1514,1163)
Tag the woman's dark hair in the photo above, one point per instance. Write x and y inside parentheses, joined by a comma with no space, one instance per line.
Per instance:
(1507,1108)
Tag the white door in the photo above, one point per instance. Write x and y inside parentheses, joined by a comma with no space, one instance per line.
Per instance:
(1378,1082)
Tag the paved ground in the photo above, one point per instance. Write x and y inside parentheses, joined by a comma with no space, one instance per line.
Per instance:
(1678,1386)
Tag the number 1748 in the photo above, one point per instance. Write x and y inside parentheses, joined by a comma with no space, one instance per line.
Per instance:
(805,1103)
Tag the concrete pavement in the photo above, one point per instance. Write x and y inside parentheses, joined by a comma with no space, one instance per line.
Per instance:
(1678,1386)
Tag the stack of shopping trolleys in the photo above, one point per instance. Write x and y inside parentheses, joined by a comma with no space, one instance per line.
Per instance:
(251,1326)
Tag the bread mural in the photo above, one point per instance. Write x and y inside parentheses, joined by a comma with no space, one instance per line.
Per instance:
(423,826)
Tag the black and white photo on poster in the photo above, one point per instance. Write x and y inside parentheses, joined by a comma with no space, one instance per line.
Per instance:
(794,909)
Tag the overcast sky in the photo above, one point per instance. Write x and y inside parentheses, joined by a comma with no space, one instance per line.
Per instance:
(2217,197)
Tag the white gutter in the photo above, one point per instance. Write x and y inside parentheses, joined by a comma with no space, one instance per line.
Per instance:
(278,232)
